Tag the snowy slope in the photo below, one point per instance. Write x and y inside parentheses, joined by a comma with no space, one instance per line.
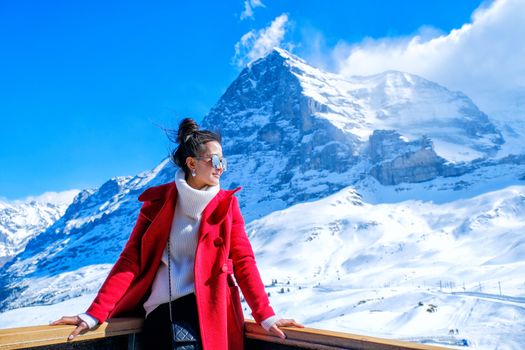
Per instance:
(513,131)
(366,268)
(468,240)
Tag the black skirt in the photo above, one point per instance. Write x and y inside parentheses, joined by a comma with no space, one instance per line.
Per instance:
(156,332)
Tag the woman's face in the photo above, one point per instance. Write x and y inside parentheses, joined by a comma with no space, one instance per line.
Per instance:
(205,173)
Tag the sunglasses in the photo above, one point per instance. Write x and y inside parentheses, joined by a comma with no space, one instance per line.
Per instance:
(216,162)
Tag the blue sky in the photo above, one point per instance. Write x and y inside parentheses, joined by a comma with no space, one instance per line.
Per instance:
(85,86)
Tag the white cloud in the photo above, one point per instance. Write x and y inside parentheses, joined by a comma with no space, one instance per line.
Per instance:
(484,58)
(249,5)
(64,197)
(256,44)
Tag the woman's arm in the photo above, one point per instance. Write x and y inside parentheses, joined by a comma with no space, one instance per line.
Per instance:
(117,282)
(122,273)
(245,269)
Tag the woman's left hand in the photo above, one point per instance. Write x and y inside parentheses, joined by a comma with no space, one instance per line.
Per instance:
(283,323)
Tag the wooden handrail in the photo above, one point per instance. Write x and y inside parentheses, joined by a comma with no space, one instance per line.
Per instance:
(27,337)
(311,338)
(300,338)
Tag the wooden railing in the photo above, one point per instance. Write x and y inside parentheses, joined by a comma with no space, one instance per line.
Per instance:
(119,333)
(124,333)
(311,338)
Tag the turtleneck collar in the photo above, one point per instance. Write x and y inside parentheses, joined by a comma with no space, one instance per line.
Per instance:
(193,201)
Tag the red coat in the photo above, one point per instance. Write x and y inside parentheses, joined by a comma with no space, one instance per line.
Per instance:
(222,248)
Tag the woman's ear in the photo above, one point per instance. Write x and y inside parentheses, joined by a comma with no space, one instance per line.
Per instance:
(191,163)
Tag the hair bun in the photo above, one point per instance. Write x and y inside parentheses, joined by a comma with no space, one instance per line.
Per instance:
(193,146)
(186,127)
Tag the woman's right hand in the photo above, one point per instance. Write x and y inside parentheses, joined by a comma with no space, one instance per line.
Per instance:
(82,327)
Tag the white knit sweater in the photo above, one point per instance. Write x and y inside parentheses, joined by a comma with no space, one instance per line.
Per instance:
(183,241)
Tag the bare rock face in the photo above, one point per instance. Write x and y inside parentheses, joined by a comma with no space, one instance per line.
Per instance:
(419,166)
(397,160)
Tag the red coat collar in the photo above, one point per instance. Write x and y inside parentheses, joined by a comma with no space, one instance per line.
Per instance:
(167,193)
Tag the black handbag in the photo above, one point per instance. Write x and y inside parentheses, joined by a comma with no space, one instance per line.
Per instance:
(184,335)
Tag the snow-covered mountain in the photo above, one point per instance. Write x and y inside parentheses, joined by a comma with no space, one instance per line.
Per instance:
(92,231)
(379,167)
(296,133)
(22,220)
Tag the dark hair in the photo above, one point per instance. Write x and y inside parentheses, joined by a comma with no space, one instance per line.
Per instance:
(191,142)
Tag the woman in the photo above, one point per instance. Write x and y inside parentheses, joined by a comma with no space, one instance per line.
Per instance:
(188,240)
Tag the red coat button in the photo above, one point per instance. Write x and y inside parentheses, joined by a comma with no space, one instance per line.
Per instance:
(218,241)
(224,268)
